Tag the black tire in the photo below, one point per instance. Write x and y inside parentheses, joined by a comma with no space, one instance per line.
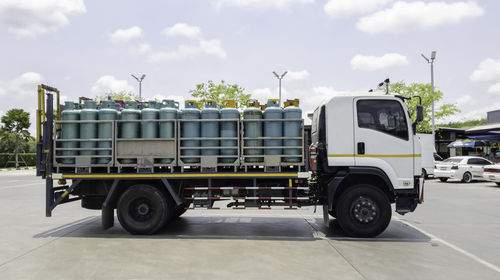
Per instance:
(144,209)
(424,174)
(360,199)
(467,178)
(442,179)
(498,184)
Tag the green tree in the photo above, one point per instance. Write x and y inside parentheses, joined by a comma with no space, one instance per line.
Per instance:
(15,132)
(120,95)
(424,91)
(464,123)
(219,92)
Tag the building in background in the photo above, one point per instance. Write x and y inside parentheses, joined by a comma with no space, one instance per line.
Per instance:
(482,140)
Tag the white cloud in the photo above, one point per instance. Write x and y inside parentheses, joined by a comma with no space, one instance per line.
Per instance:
(339,8)
(125,35)
(475,114)
(487,71)
(24,84)
(404,16)
(212,47)
(209,47)
(373,63)
(466,100)
(28,78)
(263,94)
(20,92)
(183,29)
(35,17)
(140,49)
(297,75)
(108,83)
(263,4)
(495,88)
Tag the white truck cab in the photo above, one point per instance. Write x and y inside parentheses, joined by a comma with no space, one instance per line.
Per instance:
(366,142)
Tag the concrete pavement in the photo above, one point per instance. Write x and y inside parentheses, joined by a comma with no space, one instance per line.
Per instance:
(452,235)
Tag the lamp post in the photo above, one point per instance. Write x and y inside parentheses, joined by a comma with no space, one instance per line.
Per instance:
(140,84)
(431,62)
(279,78)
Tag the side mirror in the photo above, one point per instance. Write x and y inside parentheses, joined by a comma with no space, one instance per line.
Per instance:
(420,113)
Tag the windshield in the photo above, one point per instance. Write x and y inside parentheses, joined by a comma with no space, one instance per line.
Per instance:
(453,160)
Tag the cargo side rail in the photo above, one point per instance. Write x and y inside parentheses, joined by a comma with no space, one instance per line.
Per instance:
(64,158)
(145,154)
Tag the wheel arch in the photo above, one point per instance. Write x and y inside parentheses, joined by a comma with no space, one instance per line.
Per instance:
(354,176)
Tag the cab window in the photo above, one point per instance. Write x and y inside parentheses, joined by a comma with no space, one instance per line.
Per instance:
(386,116)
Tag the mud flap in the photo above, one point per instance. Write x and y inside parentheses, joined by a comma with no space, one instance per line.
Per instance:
(326,216)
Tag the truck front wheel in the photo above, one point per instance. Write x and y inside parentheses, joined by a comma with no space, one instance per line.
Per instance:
(143,209)
(363,211)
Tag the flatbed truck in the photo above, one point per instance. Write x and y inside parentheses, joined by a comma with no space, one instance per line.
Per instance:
(359,156)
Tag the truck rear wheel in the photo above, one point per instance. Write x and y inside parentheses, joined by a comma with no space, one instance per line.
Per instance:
(363,211)
(144,209)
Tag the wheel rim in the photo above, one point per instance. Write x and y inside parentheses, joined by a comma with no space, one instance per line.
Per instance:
(364,210)
(467,177)
(141,209)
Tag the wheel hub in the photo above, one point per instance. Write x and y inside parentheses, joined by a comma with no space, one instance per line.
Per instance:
(364,210)
(466,177)
(141,210)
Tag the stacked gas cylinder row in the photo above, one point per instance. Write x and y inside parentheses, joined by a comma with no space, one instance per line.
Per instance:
(209,132)
(88,131)
(268,126)
(212,131)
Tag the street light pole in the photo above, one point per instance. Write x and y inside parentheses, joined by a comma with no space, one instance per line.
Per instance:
(431,62)
(140,84)
(279,78)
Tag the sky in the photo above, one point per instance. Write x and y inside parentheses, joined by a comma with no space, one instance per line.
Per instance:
(90,47)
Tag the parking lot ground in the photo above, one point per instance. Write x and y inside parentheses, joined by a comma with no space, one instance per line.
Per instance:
(453,235)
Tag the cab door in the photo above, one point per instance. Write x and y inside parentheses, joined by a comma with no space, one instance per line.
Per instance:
(383,138)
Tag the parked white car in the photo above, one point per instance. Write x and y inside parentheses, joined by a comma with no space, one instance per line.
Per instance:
(492,173)
(466,168)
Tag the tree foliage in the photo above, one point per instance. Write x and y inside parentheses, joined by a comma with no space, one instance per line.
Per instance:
(424,91)
(120,95)
(14,133)
(464,123)
(219,92)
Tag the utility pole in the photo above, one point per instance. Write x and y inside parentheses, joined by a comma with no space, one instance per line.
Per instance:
(140,84)
(279,78)
(431,62)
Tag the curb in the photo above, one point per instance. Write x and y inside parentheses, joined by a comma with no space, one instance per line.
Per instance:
(20,168)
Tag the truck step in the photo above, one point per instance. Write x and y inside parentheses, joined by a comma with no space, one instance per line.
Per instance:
(248,198)
(245,188)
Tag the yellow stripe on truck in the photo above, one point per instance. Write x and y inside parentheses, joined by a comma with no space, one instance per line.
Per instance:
(188,175)
(395,156)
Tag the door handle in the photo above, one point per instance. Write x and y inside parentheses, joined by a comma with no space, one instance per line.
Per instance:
(361,148)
